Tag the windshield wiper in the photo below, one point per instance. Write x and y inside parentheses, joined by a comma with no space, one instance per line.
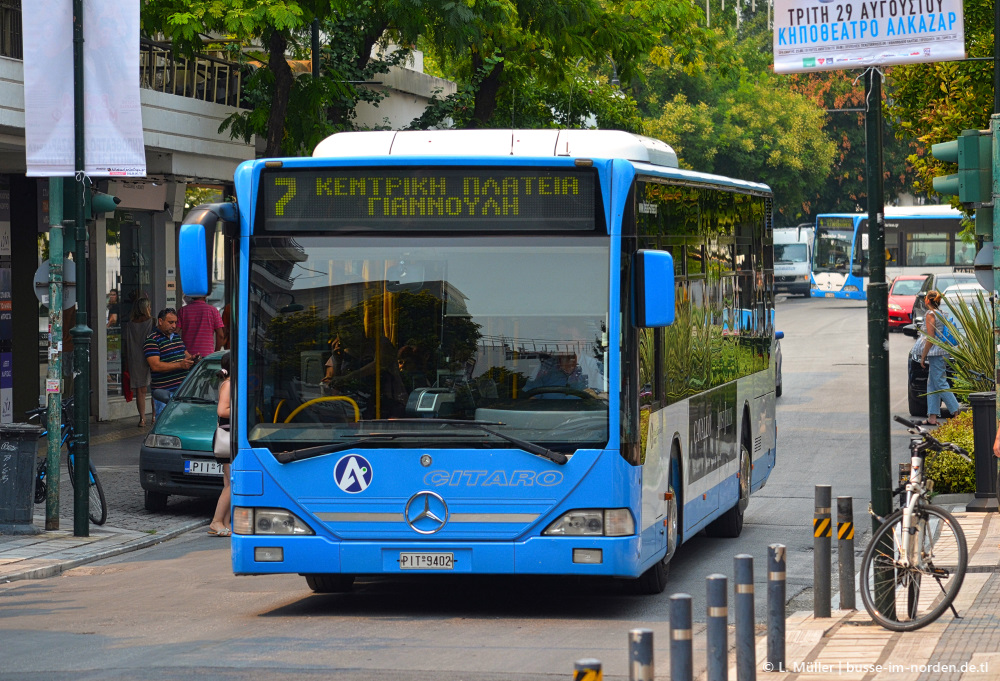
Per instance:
(193,399)
(329,448)
(530,447)
(333,447)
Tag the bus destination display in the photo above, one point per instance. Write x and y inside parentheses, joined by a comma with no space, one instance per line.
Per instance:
(467,199)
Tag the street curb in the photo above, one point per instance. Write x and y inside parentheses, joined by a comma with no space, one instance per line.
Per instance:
(59,568)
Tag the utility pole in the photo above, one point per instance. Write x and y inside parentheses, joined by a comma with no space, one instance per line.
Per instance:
(81,332)
(878,305)
(53,382)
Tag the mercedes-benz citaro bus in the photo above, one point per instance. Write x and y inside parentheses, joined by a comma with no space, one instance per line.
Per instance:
(492,352)
(918,240)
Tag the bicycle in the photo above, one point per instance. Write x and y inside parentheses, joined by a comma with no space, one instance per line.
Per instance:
(915,542)
(98,507)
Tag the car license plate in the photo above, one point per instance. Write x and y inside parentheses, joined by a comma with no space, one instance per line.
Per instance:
(203,467)
(830,295)
(427,561)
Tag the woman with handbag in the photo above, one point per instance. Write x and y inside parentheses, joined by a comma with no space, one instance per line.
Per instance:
(221,446)
(932,357)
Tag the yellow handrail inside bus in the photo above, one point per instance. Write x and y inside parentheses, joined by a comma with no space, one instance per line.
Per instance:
(276,410)
(329,398)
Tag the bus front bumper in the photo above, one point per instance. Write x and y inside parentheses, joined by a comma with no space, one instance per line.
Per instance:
(258,554)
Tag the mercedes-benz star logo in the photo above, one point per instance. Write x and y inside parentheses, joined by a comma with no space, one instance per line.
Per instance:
(426,512)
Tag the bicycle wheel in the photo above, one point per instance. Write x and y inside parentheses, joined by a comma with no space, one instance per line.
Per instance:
(41,488)
(98,506)
(905,598)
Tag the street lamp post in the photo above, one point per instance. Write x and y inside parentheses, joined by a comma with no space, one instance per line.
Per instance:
(81,332)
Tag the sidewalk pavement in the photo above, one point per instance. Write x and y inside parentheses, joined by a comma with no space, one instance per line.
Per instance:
(114,449)
(848,646)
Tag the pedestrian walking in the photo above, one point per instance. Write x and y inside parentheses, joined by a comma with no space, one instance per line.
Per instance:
(220,526)
(168,359)
(201,327)
(932,357)
(139,326)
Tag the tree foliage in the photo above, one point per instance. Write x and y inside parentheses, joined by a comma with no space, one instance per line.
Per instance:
(934,102)
(547,63)
(725,113)
(841,95)
(293,113)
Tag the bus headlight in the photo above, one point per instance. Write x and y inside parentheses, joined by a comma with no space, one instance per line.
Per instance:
(267,521)
(593,522)
(162,441)
(851,288)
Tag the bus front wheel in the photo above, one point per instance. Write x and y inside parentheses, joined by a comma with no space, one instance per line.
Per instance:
(654,580)
(330,584)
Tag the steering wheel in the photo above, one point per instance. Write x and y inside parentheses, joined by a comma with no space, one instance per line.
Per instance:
(561,389)
(327,398)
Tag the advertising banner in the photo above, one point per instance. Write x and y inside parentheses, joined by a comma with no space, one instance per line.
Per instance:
(113,113)
(4,223)
(819,35)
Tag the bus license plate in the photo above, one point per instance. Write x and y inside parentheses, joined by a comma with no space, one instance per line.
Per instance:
(830,295)
(203,467)
(426,561)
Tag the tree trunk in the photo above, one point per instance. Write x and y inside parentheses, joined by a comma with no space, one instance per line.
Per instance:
(486,93)
(282,87)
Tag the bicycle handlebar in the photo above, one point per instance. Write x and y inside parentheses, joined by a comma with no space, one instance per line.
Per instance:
(935,444)
(36,413)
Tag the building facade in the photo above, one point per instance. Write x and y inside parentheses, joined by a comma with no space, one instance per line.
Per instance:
(133,253)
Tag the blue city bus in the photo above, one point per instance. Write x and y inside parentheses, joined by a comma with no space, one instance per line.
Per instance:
(918,240)
(491,352)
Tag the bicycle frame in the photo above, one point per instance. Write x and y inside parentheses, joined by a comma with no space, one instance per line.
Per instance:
(915,492)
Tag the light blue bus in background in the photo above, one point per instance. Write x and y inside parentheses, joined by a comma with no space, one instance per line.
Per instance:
(492,352)
(918,240)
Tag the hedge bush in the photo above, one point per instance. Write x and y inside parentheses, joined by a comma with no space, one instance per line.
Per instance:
(951,473)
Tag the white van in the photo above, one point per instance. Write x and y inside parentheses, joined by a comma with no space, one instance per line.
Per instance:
(793,259)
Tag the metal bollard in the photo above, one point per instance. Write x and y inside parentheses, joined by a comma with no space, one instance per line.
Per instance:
(640,655)
(775,608)
(743,613)
(588,669)
(845,551)
(717,630)
(821,552)
(681,652)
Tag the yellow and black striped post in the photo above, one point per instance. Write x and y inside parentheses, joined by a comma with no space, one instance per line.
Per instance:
(821,552)
(587,670)
(845,551)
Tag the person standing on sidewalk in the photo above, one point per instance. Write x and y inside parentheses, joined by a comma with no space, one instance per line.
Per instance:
(220,522)
(933,359)
(138,328)
(201,327)
(168,359)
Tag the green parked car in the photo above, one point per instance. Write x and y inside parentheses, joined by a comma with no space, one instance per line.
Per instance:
(176,457)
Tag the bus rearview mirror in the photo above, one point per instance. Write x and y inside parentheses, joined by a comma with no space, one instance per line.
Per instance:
(196,243)
(191,249)
(654,288)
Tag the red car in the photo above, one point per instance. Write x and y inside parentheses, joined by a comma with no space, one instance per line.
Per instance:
(902,293)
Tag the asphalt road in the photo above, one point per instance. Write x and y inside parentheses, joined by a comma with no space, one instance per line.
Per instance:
(176,611)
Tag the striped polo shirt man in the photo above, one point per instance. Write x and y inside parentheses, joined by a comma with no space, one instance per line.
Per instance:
(166,354)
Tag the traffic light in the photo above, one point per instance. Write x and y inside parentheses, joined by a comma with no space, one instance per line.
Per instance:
(100,203)
(95,203)
(973,184)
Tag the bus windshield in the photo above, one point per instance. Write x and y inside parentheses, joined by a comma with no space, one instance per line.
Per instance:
(833,250)
(396,342)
